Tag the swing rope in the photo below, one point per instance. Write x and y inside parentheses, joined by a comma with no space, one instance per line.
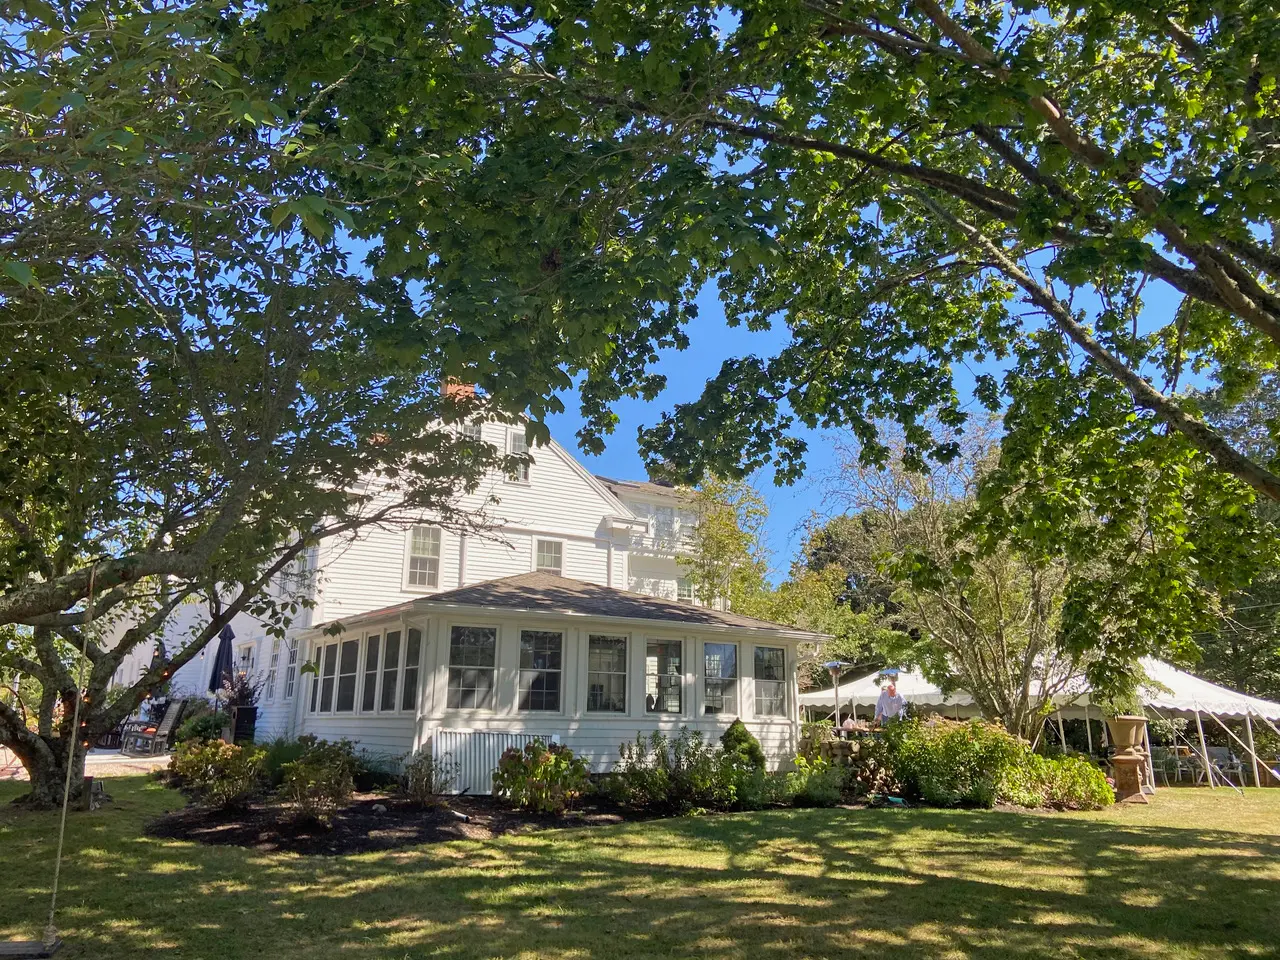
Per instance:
(50,930)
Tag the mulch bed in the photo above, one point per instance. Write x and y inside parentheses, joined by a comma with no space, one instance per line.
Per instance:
(358,829)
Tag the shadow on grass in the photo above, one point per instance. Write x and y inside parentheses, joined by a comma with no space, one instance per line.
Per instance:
(780,884)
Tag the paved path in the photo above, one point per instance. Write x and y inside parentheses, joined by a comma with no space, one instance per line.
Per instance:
(99,763)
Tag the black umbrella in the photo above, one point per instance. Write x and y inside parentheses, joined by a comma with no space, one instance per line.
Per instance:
(222,662)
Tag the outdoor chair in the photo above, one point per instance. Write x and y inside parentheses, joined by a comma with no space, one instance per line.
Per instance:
(1225,765)
(152,738)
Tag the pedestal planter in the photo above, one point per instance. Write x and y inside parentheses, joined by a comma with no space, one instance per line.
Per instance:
(1127,734)
(243,722)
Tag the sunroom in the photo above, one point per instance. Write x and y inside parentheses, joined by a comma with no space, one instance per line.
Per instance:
(472,671)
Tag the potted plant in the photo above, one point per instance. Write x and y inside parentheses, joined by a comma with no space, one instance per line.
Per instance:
(240,693)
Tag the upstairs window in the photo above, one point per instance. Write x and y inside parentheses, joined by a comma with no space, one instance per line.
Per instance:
(540,666)
(771,682)
(684,590)
(549,557)
(606,674)
(720,678)
(424,557)
(663,677)
(472,653)
(471,430)
(517,445)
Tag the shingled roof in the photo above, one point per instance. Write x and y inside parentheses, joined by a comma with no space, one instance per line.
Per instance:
(620,488)
(548,594)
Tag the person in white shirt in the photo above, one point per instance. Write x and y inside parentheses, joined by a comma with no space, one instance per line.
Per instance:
(890,706)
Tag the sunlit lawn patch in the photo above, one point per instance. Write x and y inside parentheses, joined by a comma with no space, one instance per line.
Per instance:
(1195,874)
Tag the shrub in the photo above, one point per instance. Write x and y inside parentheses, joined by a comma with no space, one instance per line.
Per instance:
(741,744)
(424,777)
(277,753)
(321,780)
(377,770)
(1070,783)
(220,774)
(815,782)
(685,774)
(542,777)
(947,763)
(202,726)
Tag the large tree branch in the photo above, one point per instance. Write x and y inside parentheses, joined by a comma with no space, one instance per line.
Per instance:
(1246,297)
(1201,436)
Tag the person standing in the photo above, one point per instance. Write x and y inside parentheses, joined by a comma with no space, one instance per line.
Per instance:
(890,706)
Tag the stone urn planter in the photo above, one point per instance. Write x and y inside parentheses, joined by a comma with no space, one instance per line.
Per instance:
(1128,736)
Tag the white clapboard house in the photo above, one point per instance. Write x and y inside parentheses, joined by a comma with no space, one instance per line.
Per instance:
(567,619)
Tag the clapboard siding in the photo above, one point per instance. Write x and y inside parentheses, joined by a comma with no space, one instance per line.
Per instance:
(392,735)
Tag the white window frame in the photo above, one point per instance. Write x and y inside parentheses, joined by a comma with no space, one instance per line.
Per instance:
(534,563)
(471,430)
(363,673)
(627,647)
(273,670)
(417,668)
(684,590)
(521,471)
(756,681)
(521,670)
(291,669)
(736,678)
(354,674)
(433,579)
(251,650)
(447,653)
(397,668)
(684,645)
(321,649)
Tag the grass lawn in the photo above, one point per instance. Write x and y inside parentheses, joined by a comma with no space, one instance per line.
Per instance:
(1195,874)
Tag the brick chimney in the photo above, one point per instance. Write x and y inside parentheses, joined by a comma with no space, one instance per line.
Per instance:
(457,390)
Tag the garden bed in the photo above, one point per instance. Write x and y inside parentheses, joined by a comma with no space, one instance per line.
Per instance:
(357,828)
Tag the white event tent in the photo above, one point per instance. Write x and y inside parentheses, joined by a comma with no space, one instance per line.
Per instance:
(1168,691)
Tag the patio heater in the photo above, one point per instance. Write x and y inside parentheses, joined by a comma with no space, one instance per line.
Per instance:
(835,667)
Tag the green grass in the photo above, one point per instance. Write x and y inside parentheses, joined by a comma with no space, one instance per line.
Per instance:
(1195,874)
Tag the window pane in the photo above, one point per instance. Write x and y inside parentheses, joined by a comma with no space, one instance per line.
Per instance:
(424,557)
(291,670)
(684,590)
(412,654)
(517,444)
(663,678)
(315,683)
(771,687)
(390,671)
(540,664)
(326,677)
(368,698)
(550,557)
(347,666)
(607,674)
(471,660)
(720,684)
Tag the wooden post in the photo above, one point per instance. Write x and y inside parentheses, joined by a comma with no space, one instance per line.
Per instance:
(1253,756)
(1204,753)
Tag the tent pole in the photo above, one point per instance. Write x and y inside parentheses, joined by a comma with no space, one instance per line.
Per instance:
(1062,734)
(1247,747)
(1151,770)
(1248,734)
(1204,752)
(1088,728)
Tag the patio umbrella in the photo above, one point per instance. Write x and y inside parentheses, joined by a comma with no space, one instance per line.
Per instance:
(222,662)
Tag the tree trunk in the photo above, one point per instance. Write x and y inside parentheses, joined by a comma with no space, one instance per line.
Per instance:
(46,764)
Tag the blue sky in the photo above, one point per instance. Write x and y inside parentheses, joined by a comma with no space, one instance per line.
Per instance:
(712,341)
